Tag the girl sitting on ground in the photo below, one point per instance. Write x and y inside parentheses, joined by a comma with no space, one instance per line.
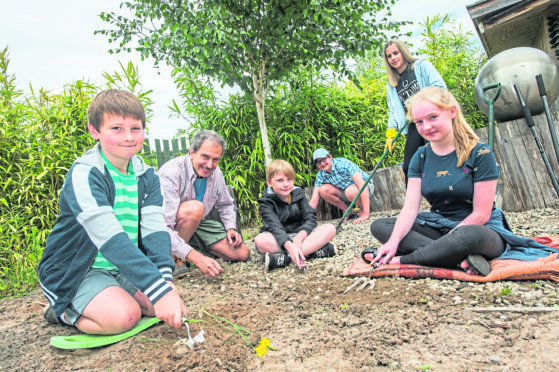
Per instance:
(289,231)
(457,175)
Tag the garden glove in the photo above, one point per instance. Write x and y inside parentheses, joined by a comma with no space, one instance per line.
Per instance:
(390,134)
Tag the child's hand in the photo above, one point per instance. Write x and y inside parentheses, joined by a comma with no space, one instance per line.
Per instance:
(296,254)
(170,309)
(234,238)
(385,253)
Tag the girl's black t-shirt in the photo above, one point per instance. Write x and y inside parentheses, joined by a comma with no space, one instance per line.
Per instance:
(407,84)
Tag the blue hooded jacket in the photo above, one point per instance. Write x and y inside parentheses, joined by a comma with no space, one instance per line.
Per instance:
(427,76)
(87,224)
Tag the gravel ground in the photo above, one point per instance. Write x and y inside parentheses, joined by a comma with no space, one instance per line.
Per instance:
(400,324)
(354,238)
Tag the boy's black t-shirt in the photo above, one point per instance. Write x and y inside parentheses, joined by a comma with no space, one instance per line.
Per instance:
(407,84)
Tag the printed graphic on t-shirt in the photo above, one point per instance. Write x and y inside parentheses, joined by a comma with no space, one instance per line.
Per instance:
(482,151)
(407,85)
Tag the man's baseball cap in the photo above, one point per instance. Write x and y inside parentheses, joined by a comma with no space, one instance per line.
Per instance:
(319,153)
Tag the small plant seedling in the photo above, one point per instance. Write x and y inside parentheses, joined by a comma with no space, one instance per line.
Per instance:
(424,299)
(425,368)
(505,291)
(344,306)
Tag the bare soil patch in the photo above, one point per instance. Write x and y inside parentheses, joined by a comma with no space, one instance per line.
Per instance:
(400,324)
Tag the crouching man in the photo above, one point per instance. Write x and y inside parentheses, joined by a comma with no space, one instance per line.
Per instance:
(192,185)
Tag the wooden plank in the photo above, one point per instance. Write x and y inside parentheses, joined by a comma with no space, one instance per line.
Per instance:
(529,175)
(542,177)
(509,167)
(526,183)
(158,152)
(145,147)
(166,156)
(545,135)
(515,13)
(390,189)
(517,33)
(184,146)
(482,8)
(166,149)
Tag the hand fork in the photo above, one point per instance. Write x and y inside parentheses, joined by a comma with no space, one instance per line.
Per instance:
(191,341)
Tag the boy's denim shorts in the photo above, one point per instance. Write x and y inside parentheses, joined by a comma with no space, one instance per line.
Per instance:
(95,281)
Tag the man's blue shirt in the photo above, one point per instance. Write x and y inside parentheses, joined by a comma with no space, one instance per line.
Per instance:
(340,175)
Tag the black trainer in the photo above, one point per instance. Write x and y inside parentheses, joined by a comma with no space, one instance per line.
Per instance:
(49,315)
(182,267)
(274,261)
(180,270)
(329,250)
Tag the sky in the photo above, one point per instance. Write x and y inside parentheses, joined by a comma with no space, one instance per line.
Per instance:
(51,44)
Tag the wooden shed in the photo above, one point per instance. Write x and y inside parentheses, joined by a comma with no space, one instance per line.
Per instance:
(505,24)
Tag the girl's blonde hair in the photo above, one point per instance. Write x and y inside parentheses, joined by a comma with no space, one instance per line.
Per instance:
(281,167)
(465,139)
(392,74)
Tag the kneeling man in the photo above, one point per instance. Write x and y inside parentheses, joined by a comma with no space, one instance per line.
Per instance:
(338,182)
(192,185)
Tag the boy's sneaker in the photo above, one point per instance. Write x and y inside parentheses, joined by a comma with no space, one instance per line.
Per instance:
(274,261)
(329,250)
(49,315)
(180,270)
(182,267)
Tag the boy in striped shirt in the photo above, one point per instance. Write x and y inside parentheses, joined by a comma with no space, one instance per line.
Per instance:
(107,261)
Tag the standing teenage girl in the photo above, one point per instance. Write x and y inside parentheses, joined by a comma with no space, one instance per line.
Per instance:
(406,76)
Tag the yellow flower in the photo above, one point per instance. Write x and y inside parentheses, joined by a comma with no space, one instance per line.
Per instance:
(263,347)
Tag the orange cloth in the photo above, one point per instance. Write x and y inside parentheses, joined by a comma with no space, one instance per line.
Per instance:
(543,268)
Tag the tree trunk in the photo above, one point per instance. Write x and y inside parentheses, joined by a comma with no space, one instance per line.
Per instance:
(259,99)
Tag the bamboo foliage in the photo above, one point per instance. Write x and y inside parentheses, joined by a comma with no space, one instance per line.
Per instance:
(39,140)
(41,134)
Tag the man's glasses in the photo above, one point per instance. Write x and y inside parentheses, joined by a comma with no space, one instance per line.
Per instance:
(320,161)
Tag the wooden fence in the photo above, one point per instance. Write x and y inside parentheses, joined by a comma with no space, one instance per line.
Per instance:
(165,149)
(524,182)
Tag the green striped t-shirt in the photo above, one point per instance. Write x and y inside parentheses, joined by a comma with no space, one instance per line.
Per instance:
(125,207)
